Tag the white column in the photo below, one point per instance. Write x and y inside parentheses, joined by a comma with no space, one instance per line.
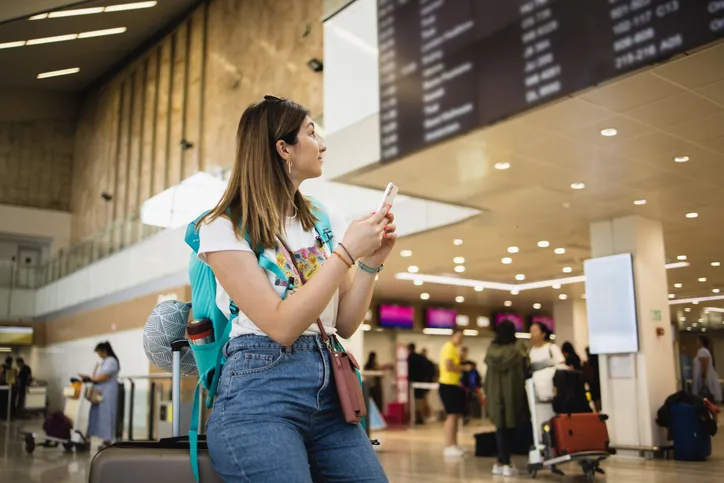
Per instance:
(572,324)
(634,386)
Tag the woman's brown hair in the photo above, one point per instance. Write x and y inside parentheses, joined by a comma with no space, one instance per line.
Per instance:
(260,191)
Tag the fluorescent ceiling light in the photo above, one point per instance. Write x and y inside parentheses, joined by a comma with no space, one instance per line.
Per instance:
(508,303)
(502,166)
(692,215)
(506,261)
(696,300)
(425,296)
(578,186)
(130,6)
(681,257)
(459,299)
(715,264)
(537,306)
(48,40)
(608,132)
(40,16)
(459,268)
(513,249)
(715,290)
(457,242)
(437,331)
(681,159)
(10,45)
(520,277)
(100,33)
(406,253)
(567,269)
(56,73)
(73,13)
(563,296)
(513,288)
(678,285)
(715,309)
(458,260)
(413,269)
(559,251)
(544,244)
(640,202)
(702,279)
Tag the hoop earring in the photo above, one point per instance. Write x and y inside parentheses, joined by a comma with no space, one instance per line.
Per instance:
(289,166)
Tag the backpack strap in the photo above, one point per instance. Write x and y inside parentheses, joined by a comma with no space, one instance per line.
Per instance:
(322,226)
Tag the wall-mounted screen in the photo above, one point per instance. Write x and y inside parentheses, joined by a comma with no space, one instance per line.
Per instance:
(611,305)
(517,320)
(397,316)
(545,320)
(13,335)
(440,318)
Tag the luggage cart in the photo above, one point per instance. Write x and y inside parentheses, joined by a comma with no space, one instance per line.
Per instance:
(73,409)
(542,455)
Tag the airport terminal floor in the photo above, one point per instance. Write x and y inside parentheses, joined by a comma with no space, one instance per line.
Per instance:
(408,456)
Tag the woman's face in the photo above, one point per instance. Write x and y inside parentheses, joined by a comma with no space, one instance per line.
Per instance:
(101,354)
(536,335)
(308,153)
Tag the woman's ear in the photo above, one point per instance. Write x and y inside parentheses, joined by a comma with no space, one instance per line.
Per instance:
(283,150)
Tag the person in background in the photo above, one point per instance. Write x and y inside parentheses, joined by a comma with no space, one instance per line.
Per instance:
(542,352)
(706,380)
(572,359)
(452,394)
(375,381)
(590,369)
(472,383)
(25,374)
(7,372)
(418,370)
(505,392)
(102,418)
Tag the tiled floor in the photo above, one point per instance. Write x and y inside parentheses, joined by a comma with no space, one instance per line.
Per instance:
(408,456)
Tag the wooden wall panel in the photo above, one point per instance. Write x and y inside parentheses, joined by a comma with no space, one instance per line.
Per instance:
(193,85)
(176,115)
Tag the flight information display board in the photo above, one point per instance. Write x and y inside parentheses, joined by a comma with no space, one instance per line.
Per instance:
(448,66)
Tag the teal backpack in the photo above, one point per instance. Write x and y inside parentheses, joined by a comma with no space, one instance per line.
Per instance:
(210,357)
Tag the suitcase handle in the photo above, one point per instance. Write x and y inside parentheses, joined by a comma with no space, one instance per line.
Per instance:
(176,347)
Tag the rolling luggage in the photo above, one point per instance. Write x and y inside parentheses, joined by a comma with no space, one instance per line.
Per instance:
(146,461)
(578,433)
(692,440)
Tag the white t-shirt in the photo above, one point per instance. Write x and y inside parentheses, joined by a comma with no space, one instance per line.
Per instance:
(218,235)
(545,352)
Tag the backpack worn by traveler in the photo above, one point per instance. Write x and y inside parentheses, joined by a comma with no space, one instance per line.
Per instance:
(209,357)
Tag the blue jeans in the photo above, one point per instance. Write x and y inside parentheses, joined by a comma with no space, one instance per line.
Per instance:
(277,417)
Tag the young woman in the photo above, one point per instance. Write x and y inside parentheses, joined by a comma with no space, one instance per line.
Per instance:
(507,404)
(572,359)
(102,417)
(277,416)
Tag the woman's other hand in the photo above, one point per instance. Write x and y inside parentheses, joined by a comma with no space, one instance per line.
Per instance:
(365,236)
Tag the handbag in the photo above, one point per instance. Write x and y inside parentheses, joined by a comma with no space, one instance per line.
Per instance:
(344,366)
(93,395)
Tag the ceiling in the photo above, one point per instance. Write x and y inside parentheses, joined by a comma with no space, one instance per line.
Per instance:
(675,109)
(95,56)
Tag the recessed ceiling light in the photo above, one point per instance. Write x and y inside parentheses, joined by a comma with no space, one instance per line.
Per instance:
(715,264)
(520,277)
(508,303)
(695,302)
(458,260)
(688,309)
(479,288)
(413,269)
(537,306)
(544,244)
(702,279)
(692,215)
(715,290)
(56,73)
(515,291)
(560,251)
(459,299)
(418,282)
(563,296)
(681,257)
(502,166)
(425,296)
(671,296)
(678,285)
(640,202)
(506,260)
(608,132)
(556,286)
(406,253)
(513,249)
(681,159)
(457,242)
(578,186)
(567,269)
(460,268)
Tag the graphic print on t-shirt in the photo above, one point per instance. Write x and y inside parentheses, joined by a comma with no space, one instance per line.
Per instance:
(308,261)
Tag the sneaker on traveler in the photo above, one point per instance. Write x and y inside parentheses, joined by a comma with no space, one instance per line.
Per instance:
(504,470)
(453,452)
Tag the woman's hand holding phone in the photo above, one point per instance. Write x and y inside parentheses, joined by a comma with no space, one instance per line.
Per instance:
(364,236)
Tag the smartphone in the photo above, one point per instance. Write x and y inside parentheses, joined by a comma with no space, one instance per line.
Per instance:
(389,196)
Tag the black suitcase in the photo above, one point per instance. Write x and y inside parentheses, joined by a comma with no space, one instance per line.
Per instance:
(154,461)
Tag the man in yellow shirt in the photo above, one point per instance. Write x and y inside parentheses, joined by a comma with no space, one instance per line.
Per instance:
(451,393)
